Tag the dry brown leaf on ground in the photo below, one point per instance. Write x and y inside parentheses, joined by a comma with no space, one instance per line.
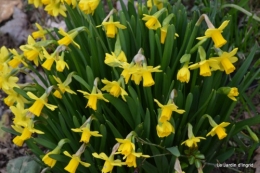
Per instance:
(17,28)
(7,8)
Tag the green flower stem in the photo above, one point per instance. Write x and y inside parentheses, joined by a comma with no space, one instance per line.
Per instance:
(194,33)
(242,10)
(148,143)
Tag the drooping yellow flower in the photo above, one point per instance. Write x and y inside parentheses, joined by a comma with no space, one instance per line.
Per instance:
(31,51)
(63,86)
(26,133)
(17,59)
(131,158)
(86,133)
(183,74)
(215,34)
(88,6)
(217,128)
(111,27)
(126,146)
(39,103)
(167,110)
(19,140)
(40,33)
(20,116)
(152,21)
(50,161)
(109,162)
(93,97)
(74,162)
(56,7)
(233,93)
(68,37)
(192,141)
(225,61)
(145,74)
(49,59)
(205,66)
(126,73)
(114,88)
(164,129)
(60,63)
(13,97)
(115,61)
(7,81)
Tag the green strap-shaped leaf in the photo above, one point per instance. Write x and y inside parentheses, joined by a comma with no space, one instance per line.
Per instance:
(114,130)
(122,108)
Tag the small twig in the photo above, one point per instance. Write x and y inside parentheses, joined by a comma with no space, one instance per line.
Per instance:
(148,143)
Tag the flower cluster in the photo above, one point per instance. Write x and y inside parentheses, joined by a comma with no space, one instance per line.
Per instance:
(124,65)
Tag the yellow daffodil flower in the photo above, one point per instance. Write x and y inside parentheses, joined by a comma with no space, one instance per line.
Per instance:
(205,66)
(20,116)
(55,7)
(7,81)
(115,61)
(215,34)
(40,33)
(68,38)
(111,27)
(74,162)
(109,162)
(217,128)
(26,133)
(49,59)
(17,59)
(164,129)
(50,161)
(30,51)
(126,146)
(226,61)
(63,86)
(128,70)
(39,103)
(152,21)
(86,133)
(167,110)
(233,93)
(192,141)
(183,74)
(4,54)
(13,97)
(131,158)
(114,88)
(139,73)
(60,63)
(88,6)
(93,97)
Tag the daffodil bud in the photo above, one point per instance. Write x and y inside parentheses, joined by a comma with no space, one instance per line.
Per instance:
(252,134)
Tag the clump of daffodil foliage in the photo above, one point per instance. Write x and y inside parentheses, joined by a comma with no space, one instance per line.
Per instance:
(144,89)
